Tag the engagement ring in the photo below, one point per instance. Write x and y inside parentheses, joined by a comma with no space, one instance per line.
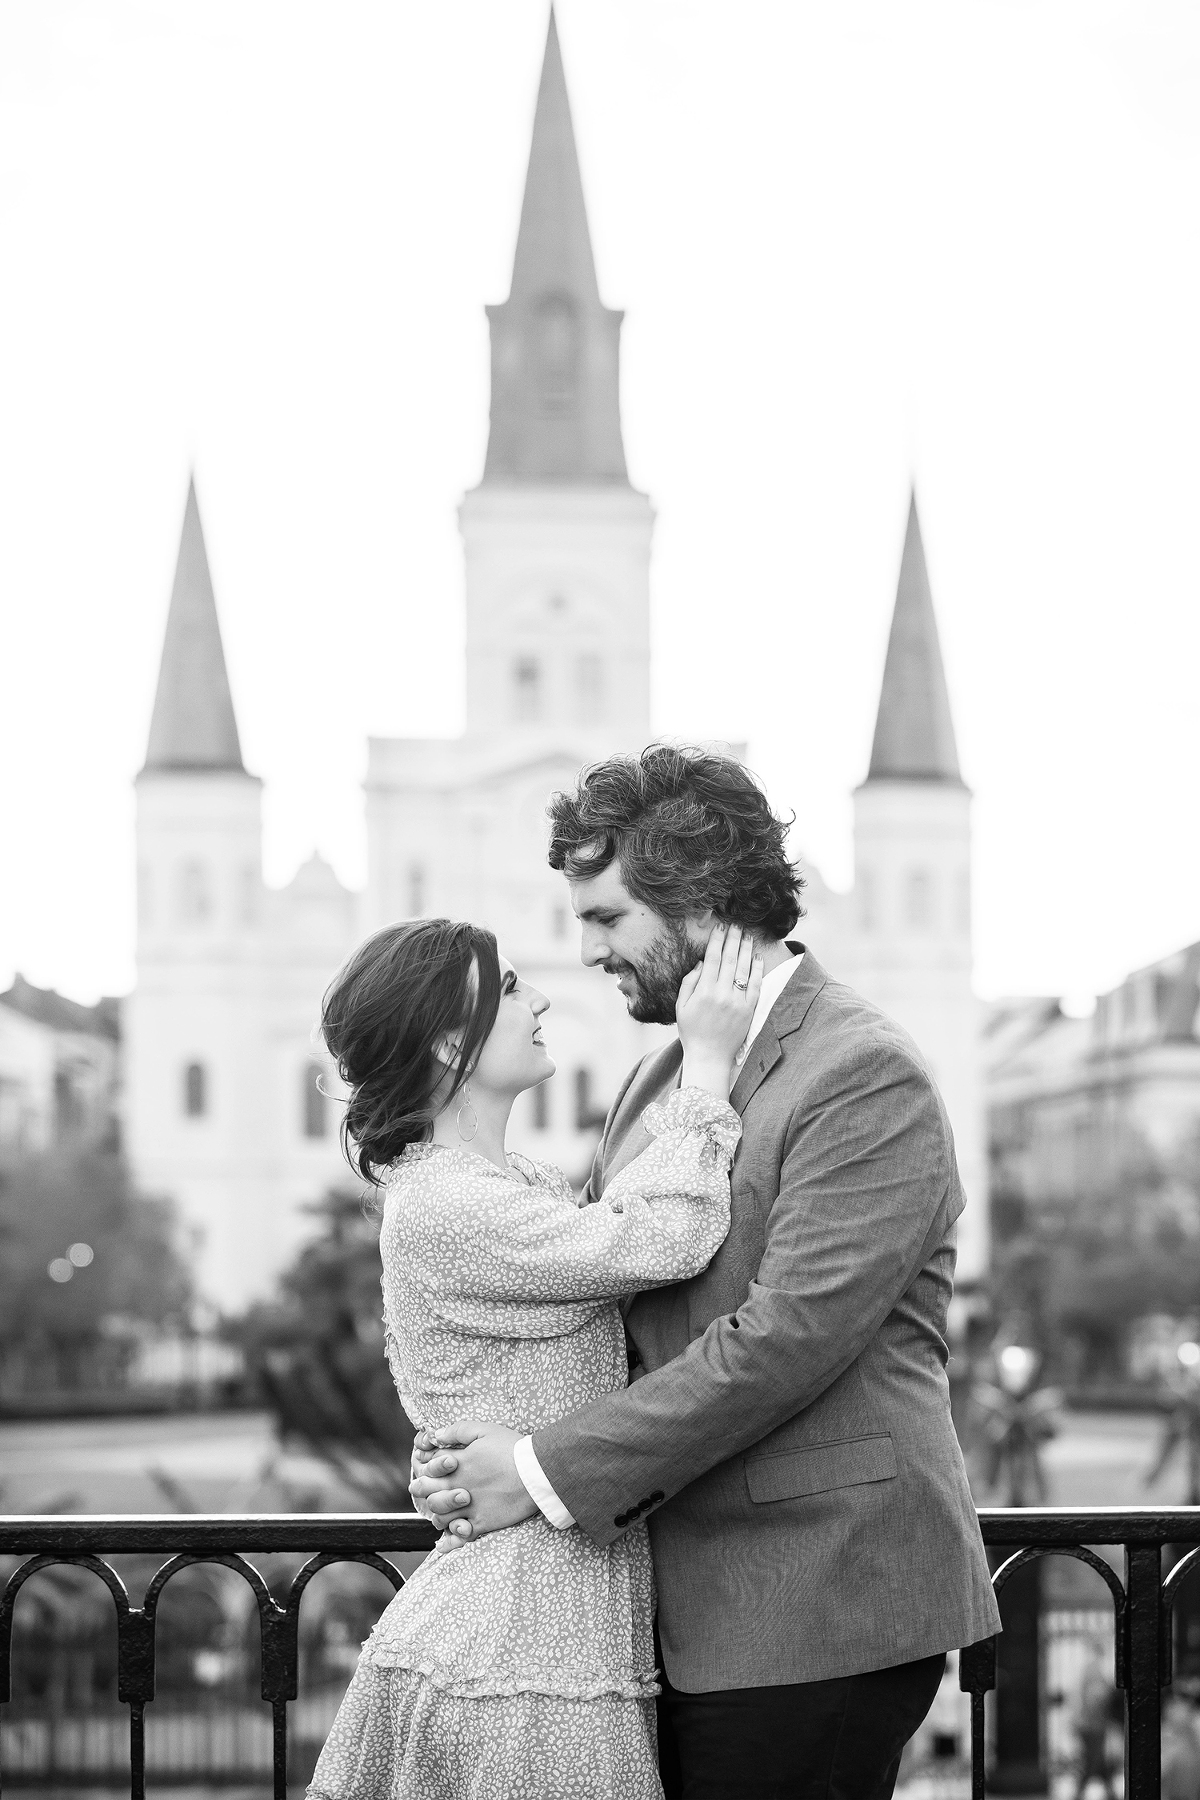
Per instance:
(740,985)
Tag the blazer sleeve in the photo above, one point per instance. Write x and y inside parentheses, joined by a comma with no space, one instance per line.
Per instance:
(862,1203)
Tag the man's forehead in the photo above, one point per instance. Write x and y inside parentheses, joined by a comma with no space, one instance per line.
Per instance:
(603,891)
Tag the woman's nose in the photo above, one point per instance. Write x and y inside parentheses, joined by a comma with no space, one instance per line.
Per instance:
(538,1004)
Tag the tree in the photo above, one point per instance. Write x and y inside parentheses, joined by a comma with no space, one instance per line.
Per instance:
(318,1352)
(75,1216)
(1079,1271)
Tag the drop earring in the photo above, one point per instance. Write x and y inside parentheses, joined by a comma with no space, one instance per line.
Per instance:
(466,1106)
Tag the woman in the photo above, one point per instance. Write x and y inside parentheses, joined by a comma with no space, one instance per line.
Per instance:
(521,1666)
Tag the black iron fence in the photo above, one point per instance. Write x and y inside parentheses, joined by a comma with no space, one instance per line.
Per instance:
(1142,1599)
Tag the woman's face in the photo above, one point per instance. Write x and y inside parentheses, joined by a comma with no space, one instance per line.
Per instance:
(514,1057)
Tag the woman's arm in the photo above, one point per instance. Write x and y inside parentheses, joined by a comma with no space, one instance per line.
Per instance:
(662,1219)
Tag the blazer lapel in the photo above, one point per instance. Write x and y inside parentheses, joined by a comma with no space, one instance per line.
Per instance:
(786,1016)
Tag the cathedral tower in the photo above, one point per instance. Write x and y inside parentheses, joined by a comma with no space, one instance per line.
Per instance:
(193,1015)
(557,541)
(225,1115)
(912,889)
(557,546)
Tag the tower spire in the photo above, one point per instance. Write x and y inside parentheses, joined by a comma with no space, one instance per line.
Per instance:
(555,405)
(914,732)
(193,725)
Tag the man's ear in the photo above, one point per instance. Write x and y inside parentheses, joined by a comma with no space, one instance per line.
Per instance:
(699,926)
(447,1050)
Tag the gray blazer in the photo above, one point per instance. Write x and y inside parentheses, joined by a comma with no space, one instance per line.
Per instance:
(790,1438)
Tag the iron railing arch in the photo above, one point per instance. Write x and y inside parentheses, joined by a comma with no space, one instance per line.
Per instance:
(1142,1601)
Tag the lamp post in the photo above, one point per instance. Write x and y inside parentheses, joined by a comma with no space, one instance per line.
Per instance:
(1181,1432)
(1018,1418)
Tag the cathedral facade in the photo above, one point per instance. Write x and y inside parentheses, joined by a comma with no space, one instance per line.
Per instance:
(225,1110)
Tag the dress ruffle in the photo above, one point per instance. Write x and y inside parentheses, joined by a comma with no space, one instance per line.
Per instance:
(398,1738)
(529,1610)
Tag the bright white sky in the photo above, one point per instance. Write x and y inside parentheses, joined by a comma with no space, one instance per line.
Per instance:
(952,238)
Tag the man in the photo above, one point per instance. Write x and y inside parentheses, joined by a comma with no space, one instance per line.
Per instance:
(787,1432)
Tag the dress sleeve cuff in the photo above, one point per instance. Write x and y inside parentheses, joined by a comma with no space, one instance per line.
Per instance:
(694,1109)
(538,1488)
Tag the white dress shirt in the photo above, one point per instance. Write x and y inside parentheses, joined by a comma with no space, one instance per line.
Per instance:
(528,1466)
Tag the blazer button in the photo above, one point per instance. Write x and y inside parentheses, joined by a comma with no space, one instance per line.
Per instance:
(621,1520)
(655,1497)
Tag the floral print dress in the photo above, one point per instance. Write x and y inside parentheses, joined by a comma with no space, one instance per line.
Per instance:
(520,1666)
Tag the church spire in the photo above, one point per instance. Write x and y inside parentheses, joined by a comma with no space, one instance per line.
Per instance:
(555,407)
(193,727)
(914,732)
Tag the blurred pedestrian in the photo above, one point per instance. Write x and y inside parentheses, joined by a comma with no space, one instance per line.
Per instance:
(1180,1750)
(1095,1708)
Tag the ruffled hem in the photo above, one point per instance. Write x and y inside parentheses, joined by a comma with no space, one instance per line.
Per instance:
(552,1683)
(396,1737)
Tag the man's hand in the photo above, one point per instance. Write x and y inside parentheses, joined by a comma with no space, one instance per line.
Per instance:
(468,1483)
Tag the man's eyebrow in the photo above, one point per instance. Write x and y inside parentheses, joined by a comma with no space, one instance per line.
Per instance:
(594,912)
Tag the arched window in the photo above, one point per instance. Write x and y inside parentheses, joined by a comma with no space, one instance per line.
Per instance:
(557,340)
(588,1116)
(527,689)
(964,902)
(195,1090)
(541,1105)
(145,890)
(316,1104)
(251,884)
(195,894)
(589,685)
(918,900)
(868,905)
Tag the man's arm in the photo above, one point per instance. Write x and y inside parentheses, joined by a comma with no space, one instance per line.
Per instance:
(860,1208)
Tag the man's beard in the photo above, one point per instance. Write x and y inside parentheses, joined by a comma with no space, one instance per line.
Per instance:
(658,975)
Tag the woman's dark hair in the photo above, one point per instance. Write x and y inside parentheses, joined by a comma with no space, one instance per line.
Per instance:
(383,1014)
(689,829)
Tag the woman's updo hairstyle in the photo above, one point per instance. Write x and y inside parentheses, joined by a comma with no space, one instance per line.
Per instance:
(386,1009)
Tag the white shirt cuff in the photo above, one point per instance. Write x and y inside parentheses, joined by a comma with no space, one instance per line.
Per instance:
(538,1488)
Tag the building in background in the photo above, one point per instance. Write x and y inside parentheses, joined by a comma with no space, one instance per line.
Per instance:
(59,1071)
(225,1113)
(1101,1113)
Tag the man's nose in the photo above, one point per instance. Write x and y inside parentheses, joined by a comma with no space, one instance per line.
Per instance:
(592,948)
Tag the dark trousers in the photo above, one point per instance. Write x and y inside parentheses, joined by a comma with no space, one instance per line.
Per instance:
(814,1740)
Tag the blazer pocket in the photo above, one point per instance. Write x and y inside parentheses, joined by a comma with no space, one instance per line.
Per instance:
(790,1474)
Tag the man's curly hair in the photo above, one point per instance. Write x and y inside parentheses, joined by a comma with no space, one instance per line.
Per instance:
(689,829)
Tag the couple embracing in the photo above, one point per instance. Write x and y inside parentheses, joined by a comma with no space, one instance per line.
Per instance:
(706,1528)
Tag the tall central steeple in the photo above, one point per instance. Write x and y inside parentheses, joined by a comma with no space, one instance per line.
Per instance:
(914,732)
(555,346)
(193,725)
